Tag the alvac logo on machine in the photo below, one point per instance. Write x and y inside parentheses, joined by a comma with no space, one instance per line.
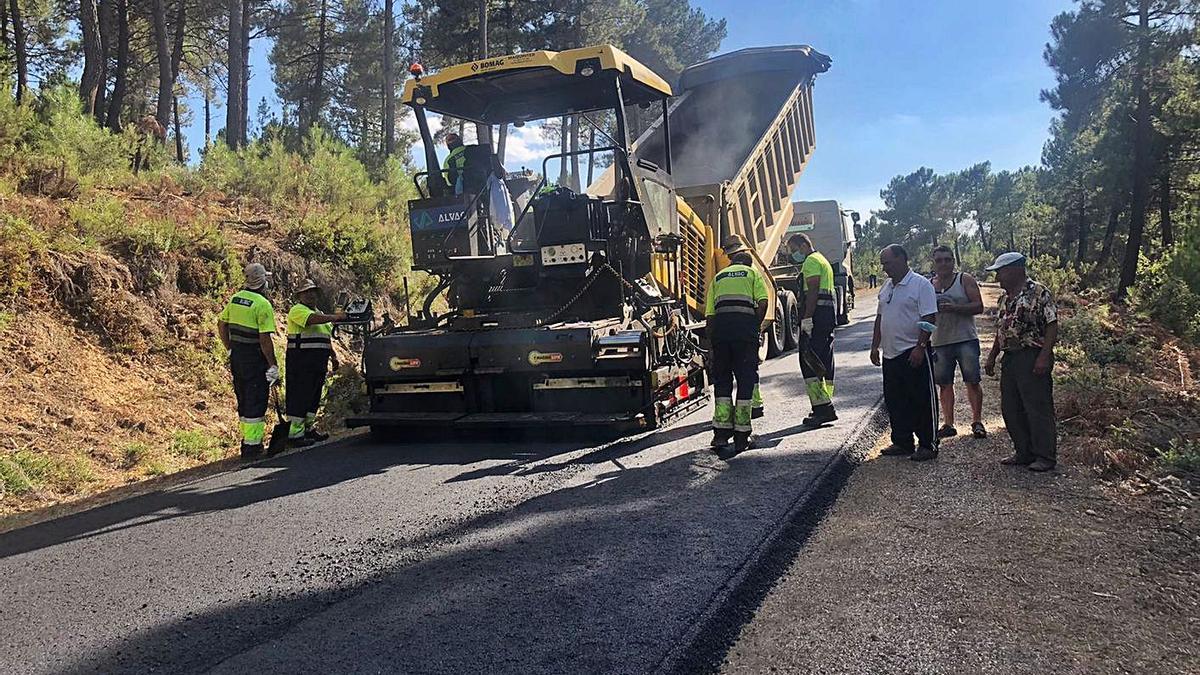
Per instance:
(397,363)
(537,358)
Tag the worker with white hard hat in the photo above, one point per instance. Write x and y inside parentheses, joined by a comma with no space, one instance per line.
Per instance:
(246,326)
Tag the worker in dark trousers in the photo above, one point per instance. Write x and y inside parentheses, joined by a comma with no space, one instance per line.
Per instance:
(245,327)
(817,323)
(735,308)
(309,350)
(456,161)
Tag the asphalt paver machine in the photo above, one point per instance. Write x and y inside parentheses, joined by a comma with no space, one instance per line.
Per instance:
(584,307)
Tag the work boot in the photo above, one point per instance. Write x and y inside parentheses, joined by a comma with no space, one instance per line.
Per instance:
(743,442)
(896,451)
(1041,465)
(822,414)
(923,453)
(721,438)
(302,442)
(756,413)
(316,436)
(1016,460)
(251,451)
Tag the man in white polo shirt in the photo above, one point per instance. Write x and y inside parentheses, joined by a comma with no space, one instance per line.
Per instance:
(906,300)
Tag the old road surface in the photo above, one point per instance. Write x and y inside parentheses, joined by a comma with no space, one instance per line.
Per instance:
(539,557)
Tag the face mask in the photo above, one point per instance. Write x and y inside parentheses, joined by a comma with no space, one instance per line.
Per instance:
(798,256)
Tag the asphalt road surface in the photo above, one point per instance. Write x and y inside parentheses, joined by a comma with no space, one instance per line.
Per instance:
(528,557)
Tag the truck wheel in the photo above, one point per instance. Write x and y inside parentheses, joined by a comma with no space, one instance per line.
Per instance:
(775,337)
(792,336)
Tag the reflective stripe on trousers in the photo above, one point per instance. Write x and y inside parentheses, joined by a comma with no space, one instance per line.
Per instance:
(723,413)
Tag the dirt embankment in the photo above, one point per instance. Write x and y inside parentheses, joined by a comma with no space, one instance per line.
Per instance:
(962,565)
(108,363)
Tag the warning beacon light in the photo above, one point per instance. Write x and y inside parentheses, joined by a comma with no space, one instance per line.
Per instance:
(416,70)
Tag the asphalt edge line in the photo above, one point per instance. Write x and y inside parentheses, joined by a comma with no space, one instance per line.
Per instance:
(120,493)
(702,648)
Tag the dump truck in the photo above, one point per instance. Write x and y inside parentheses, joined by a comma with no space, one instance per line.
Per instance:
(831,229)
(587,307)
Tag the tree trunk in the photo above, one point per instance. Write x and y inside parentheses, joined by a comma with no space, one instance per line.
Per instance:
(207,108)
(316,102)
(1110,235)
(104,20)
(483,132)
(1141,154)
(178,130)
(1164,206)
(4,41)
(1084,228)
(389,79)
(162,52)
(501,142)
(244,120)
(121,77)
(14,7)
(89,81)
(233,108)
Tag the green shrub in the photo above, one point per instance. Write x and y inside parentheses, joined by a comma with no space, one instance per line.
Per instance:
(360,244)
(1061,278)
(197,445)
(1090,331)
(1182,456)
(20,247)
(84,149)
(1168,290)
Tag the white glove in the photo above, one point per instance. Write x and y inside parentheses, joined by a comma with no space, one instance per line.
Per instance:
(272,376)
(806,326)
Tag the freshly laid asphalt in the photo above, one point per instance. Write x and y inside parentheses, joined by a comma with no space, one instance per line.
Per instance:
(541,556)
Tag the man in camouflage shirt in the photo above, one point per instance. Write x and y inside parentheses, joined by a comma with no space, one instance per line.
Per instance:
(1026,330)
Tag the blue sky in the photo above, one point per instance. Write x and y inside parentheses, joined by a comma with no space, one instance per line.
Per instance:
(939,83)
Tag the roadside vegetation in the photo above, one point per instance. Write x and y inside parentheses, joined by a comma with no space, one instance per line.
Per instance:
(1110,220)
(110,281)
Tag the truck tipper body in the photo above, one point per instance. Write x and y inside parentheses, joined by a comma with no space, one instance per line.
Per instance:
(588,309)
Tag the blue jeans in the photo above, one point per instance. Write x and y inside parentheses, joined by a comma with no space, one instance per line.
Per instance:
(964,354)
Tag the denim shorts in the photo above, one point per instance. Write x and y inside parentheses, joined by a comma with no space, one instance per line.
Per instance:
(963,354)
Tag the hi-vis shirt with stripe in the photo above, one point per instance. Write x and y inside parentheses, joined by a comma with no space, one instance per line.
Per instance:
(816,265)
(737,289)
(303,336)
(248,314)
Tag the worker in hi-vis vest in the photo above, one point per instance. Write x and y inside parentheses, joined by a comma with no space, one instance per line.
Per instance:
(245,327)
(735,308)
(309,351)
(456,161)
(817,324)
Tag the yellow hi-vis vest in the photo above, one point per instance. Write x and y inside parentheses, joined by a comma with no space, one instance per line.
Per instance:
(817,265)
(248,314)
(732,304)
(303,336)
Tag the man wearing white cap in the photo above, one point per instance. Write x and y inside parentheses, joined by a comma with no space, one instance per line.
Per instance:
(309,350)
(245,327)
(1026,330)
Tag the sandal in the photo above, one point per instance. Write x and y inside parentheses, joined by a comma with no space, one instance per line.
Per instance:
(947,431)
(978,431)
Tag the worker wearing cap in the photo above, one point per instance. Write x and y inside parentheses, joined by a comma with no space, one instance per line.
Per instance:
(817,323)
(735,308)
(245,326)
(1026,330)
(455,162)
(309,350)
